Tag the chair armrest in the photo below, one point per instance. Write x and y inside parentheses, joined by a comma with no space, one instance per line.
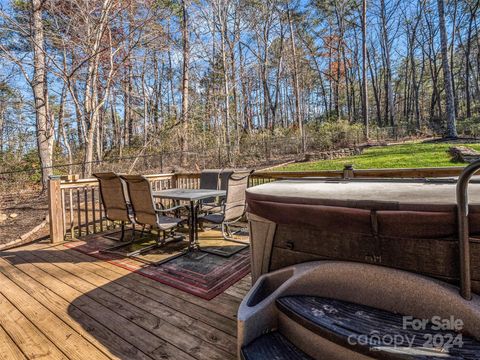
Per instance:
(221,203)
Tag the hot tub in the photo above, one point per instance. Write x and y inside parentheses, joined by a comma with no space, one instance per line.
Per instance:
(404,224)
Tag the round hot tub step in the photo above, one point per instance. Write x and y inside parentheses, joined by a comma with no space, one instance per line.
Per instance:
(272,346)
(370,332)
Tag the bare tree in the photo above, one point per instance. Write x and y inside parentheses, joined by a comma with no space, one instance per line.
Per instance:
(386,46)
(185,79)
(234,79)
(45,126)
(447,76)
(298,115)
(364,68)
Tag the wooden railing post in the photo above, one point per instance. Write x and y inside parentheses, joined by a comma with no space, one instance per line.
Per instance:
(55,210)
(174,180)
(348,172)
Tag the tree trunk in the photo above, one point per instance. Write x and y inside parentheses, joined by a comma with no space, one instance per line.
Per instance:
(222,18)
(375,87)
(390,105)
(298,117)
(92,103)
(2,130)
(364,69)
(127,108)
(447,76)
(452,53)
(61,127)
(44,121)
(468,65)
(185,74)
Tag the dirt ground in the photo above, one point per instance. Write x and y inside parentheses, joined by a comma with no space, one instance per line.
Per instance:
(31,209)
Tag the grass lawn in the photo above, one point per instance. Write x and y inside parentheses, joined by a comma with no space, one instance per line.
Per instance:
(411,155)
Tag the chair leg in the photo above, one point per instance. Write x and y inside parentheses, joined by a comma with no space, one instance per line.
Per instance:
(227,235)
(160,241)
(147,248)
(122,243)
(123,231)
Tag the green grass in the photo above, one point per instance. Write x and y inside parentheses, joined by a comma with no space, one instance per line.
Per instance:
(412,155)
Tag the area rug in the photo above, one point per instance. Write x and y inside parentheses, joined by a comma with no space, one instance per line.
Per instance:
(201,274)
(212,241)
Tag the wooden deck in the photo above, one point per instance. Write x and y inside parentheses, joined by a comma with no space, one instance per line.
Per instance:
(57,303)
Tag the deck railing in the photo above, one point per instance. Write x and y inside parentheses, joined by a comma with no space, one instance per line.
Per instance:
(75,207)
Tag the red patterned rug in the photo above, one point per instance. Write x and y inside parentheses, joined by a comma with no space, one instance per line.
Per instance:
(202,274)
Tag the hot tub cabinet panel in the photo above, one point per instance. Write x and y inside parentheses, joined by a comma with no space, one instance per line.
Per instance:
(408,225)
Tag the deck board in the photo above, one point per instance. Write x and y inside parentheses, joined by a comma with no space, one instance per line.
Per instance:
(25,334)
(142,311)
(219,312)
(58,303)
(8,349)
(62,335)
(97,333)
(123,327)
(142,296)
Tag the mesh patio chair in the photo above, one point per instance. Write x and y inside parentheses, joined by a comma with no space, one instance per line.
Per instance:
(148,213)
(233,206)
(210,180)
(214,179)
(116,205)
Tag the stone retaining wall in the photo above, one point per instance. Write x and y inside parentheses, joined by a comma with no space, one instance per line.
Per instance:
(333,154)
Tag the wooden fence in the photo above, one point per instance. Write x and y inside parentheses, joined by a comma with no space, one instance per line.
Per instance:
(75,207)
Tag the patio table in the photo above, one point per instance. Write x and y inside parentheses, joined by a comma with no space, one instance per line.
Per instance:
(193,196)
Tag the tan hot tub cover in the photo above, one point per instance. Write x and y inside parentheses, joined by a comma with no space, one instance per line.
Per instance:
(409,225)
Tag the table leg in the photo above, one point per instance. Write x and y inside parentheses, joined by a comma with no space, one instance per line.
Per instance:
(197,208)
(191,226)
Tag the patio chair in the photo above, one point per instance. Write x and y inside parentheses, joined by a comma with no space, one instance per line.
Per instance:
(147,212)
(233,206)
(115,203)
(210,180)
(214,179)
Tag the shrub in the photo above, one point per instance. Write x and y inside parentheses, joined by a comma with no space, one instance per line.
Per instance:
(469,127)
(334,134)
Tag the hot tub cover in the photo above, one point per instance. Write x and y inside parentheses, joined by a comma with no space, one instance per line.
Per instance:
(411,225)
(420,195)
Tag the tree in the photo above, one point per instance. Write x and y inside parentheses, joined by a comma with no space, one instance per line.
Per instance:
(364,68)
(296,90)
(44,122)
(473,11)
(37,80)
(185,79)
(447,76)
(386,47)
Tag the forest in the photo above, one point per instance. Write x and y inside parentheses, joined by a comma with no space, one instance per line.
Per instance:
(84,82)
